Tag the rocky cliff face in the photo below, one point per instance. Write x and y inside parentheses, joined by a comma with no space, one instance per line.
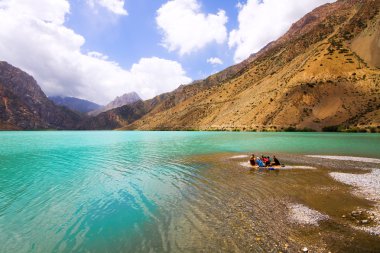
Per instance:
(23,105)
(323,72)
(126,99)
(75,104)
(314,76)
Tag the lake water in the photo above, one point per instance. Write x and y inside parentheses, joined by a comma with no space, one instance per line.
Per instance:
(113,191)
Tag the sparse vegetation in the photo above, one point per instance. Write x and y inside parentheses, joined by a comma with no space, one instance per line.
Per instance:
(294,82)
(338,128)
(331,129)
(294,129)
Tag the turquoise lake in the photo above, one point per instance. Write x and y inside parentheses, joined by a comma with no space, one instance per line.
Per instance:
(115,191)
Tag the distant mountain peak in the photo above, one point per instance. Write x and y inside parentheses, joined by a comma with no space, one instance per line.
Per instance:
(125,99)
(75,104)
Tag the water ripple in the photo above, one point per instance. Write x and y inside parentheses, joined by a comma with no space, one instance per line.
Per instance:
(138,192)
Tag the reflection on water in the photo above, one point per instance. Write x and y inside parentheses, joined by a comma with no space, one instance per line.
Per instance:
(172,191)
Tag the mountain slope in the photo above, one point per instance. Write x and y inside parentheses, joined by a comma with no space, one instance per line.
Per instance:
(122,116)
(126,99)
(312,77)
(75,104)
(23,105)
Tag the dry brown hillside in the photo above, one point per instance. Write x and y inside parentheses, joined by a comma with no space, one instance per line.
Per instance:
(23,105)
(323,72)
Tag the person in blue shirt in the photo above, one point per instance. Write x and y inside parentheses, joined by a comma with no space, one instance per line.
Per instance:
(259,162)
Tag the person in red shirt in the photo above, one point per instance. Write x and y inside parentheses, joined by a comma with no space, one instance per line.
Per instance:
(265,160)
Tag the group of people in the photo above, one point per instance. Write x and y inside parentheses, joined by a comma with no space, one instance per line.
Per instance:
(264,161)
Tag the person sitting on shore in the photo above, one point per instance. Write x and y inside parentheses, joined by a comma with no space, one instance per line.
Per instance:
(259,162)
(276,161)
(265,160)
(252,160)
(268,161)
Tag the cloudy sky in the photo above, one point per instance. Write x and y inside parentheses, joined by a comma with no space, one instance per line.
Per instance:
(100,49)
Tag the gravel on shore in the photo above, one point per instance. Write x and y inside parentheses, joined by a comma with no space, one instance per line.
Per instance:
(347,158)
(303,215)
(368,187)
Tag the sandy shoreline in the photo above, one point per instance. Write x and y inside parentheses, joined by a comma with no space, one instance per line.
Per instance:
(364,185)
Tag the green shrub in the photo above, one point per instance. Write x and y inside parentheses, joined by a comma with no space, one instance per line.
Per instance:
(290,129)
(372,129)
(330,129)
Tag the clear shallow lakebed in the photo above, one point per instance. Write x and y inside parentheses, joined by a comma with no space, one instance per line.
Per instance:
(112,191)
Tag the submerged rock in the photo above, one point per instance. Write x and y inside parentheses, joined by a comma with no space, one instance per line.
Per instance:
(364,221)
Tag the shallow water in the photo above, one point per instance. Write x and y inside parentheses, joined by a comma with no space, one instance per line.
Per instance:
(171,191)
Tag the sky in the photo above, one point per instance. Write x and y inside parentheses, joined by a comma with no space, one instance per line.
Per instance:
(100,49)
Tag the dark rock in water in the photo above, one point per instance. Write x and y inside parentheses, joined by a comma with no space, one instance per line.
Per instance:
(23,105)
(355,213)
(362,217)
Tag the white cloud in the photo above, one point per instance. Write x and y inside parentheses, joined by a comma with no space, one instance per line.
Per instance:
(40,44)
(114,6)
(97,55)
(186,29)
(214,61)
(152,74)
(261,22)
(239,5)
(46,10)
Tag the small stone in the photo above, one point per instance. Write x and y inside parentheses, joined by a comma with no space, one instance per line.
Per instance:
(364,221)
(304,249)
(343,216)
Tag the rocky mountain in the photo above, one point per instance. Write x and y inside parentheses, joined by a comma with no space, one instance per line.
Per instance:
(75,104)
(126,99)
(324,72)
(23,105)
